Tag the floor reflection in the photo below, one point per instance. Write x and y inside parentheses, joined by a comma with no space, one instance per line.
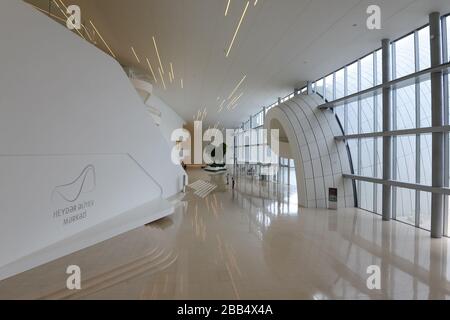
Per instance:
(253,242)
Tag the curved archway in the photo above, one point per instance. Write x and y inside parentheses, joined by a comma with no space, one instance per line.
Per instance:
(307,135)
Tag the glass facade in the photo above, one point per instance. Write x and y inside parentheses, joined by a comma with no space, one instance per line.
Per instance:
(411,109)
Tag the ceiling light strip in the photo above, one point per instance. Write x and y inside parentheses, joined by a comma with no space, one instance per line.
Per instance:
(182,83)
(159,57)
(237,87)
(228,8)
(103,40)
(237,29)
(162,79)
(221,106)
(135,55)
(171,69)
(151,69)
(236,99)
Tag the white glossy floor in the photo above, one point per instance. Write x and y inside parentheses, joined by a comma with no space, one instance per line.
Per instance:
(254,243)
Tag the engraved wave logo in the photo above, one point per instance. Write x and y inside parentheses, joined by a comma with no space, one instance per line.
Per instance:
(84,183)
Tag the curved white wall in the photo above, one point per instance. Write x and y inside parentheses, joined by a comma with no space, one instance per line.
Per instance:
(66,106)
(319,159)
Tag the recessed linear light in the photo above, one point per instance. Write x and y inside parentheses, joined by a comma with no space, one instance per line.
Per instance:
(135,55)
(157,53)
(228,7)
(235,99)
(88,33)
(256,2)
(103,40)
(151,69)
(221,106)
(162,78)
(229,106)
(171,70)
(182,83)
(237,29)
(237,87)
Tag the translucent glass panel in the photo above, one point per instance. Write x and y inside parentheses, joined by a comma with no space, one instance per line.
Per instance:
(329,91)
(340,84)
(367,161)
(352,118)
(320,87)
(379,67)
(379,202)
(425,103)
(366,200)
(340,114)
(352,78)
(404,56)
(379,113)
(258,120)
(406,205)
(367,72)
(406,159)
(367,115)
(379,158)
(425,210)
(424,48)
(293,176)
(405,108)
(247,125)
(262,136)
(425,159)
(353,146)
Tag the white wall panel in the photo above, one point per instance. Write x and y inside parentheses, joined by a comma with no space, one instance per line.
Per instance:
(66,106)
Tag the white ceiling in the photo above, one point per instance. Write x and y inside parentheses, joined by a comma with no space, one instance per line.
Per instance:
(281,44)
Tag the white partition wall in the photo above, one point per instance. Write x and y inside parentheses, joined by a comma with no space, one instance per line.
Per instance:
(80,158)
(320,160)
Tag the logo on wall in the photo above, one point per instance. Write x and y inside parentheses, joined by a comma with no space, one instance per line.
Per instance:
(84,183)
